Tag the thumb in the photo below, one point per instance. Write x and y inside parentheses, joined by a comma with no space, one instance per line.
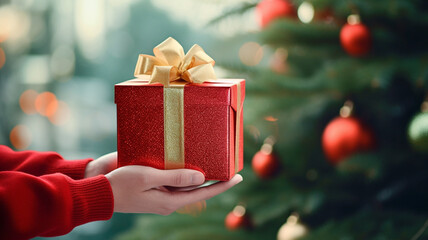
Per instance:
(177,178)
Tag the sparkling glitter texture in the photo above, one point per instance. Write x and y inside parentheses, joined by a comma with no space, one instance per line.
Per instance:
(209,113)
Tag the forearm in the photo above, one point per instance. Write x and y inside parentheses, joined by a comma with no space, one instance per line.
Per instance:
(40,163)
(50,205)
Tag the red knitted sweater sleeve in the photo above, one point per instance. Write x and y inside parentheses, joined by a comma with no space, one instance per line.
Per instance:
(40,163)
(34,201)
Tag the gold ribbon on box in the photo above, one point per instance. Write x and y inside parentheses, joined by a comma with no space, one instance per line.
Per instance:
(169,66)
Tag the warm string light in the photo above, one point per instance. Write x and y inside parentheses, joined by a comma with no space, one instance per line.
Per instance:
(27,101)
(251,53)
(15,25)
(239,211)
(46,104)
(271,119)
(346,110)
(61,115)
(306,12)
(267,146)
(353,19)
(90,27)
(2,58)
(278,61)
(20,137)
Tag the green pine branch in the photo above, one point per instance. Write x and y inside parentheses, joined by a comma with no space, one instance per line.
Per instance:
(237,10)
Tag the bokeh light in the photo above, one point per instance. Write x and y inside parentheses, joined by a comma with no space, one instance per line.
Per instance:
(62,61)
(292,229)
(353,19)
(61,115)
(2,58)
(278,62)
(90,26)
(251,53)
(306,12)
(14,24)
(35,69)
(271,119)
(27,101)
(7,21)
(239,211)
(46,104)
(20,137)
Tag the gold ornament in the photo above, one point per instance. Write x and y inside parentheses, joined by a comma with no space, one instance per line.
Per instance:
(292,229)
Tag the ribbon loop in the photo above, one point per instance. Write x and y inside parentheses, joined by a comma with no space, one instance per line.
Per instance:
(170,64)
(195,57)
(146,63)
(199,74)
(164,75)
(169,50)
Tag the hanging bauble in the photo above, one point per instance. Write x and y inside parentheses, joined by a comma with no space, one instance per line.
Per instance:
(238,219)
(292,229)
(418,130)
(346,135)
(269,10)
(265,163)
(355,37)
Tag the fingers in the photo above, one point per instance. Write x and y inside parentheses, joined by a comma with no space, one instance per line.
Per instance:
(175,178)
(111,160)
(184,198)
(107,163)
(139,189)
(101,165)
(189,188)
(111,155)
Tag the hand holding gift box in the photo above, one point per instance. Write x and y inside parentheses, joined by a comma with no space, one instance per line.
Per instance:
(178,115)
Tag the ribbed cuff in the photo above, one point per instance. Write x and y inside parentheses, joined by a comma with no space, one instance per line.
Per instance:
(92,200)
(72,168)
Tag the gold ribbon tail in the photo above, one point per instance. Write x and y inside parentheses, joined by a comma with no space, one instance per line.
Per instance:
(174,126)
(238,124)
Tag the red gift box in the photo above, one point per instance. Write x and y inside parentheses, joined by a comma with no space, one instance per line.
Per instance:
(212,126)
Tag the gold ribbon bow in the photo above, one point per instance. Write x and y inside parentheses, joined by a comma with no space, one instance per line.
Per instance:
(170,64)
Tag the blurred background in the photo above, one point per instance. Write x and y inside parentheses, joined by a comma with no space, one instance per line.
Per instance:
(336,122)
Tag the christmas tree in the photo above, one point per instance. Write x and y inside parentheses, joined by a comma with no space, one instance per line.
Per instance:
(336,137)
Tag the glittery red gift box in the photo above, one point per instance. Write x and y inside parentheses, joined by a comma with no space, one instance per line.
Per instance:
(210,112)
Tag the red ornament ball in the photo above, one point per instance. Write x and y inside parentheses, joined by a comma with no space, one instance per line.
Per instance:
(264,164)
(355,39)
(237,219)
(269,10)
(345,136)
